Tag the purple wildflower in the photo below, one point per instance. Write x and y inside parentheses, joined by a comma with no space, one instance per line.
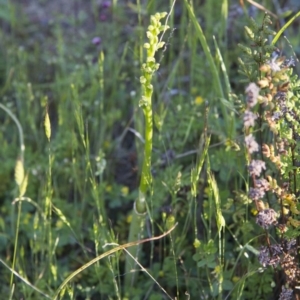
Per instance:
(256,167)
(256,193)
(262,184)
(252,92)
(270,256)
(274,64)
(276,116)
(251,144)
(96,41)
(249,118)
(286,294)
(106,4)
(266,218)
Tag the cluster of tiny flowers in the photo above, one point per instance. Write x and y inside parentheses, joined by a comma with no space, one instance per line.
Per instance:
(270,256)
(252,92)
(251,144)
(289,62)
(261,187)
(266,218)
(290,268)
(286,112)
(275,93)
(283,255)
(256,166)
(249,118)
(263,184)
(290,245)
(256,193)
(280,98)
(286,294)
(274,65)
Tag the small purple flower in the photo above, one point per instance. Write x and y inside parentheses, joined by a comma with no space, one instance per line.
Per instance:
(256,193)
(286,294)
(96,41)
(270,256)
(251,144)
(252,92)
(291,245)
(249,119)
(106,4)
(276,116)
(256,167)
(274,65)
(103,17)
(262,184)
(289,62)
(266,218)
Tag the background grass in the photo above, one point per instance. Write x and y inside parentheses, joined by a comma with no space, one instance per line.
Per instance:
(82,183)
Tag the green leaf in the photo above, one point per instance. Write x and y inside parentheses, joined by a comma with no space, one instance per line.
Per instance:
(227,285)
(280,32)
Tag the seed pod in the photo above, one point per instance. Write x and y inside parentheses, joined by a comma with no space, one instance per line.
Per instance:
(47,125)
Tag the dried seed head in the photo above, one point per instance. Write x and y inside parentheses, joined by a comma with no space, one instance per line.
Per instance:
(266,150)
(263,83)
(23,186)
(47,125)
(19,172)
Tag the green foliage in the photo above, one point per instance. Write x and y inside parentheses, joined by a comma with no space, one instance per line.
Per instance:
(260,50)
(68,197)
(273,171)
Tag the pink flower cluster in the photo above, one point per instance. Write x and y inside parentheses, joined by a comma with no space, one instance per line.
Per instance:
(265,217)
(252,93)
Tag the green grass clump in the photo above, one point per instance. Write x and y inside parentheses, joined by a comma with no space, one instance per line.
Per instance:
(149,155)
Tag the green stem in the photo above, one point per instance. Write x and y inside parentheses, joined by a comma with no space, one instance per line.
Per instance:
(16,243)
(146,178)
(21,136)
(22,149)
(140,206)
